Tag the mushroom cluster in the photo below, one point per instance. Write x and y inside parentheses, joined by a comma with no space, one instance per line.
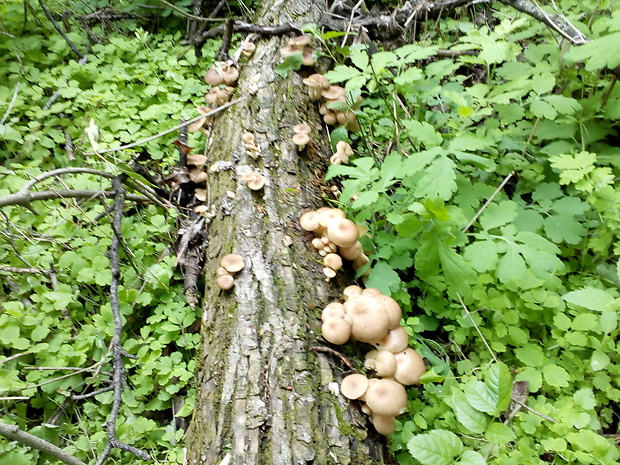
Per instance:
(320,88)
(342,154)
(301,136)
(336,238)
(251,145)
(229,265)
(247,49)
(254,180)
(369,316)
(300,44)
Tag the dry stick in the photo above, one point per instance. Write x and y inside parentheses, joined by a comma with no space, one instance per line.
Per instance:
(327,350)
(60,31)
(117,351)
(189,15)
(18,270)
(168,131)
(489,200)
(8,110)
(13,433)
(24,199)
(477,329)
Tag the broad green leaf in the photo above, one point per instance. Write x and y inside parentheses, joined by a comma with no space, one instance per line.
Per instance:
(471,457)
(592,299)
(585,398)
(384,278)
(437,447)
(483,255)
(8,133)
(474,420)
(598,54)
(563,228)
(423,132)
(498,380)
(498,214)
(291,63)
(480,396)
(511,266)
(498,433)
(599,361)
(341,73)
(555,375)
(439,179)
(543,83)
(531,355)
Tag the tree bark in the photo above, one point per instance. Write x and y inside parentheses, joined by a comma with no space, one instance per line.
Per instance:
(262,395)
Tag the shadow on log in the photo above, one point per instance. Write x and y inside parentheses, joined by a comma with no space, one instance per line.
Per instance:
(262,395)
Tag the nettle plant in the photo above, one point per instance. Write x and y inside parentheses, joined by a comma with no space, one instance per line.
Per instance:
(56,324)
(485,178)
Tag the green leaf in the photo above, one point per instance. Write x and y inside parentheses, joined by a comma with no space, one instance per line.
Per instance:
(474,420)
(563,228)
(531,355)
(423,132)
(498,214)
(498,433)
(543,83)
(592,299)
(471,457)
(438,447)
(480,396)
(384,278)
(585,399)
(341,73)
(598,54)
(555,375)
(439,179)
(8,133)
(291,63)
(483,255)
(498,380)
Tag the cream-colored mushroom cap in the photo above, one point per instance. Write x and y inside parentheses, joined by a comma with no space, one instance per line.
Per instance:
(310,220)
(410,367)
(351,253)
(332,261)
(354,386)
(336,330)
(351,291)
(299,41)
(370,320)
(232,262)
(385,363)
(393,309)
(342,232)
(213,77)
(344,148)
(257,182)
(333,310)
(196,159)
(329,214)
(370,359)
(395,341)
(371,291)
(225,282)
(386,397)
(385,425)
(301,140)
(302,128)
(329,272)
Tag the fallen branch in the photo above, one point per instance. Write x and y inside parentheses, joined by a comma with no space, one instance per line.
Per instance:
(118,376)
(13,433)
(49,16)
(25,199)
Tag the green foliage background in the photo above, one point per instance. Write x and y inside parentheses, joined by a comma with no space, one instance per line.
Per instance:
(527,292)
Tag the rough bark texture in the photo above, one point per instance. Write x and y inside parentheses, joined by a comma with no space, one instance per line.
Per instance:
(263,396)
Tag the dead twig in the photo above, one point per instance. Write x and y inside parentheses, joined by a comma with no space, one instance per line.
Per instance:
(49,16)
(10,107)
(335,353)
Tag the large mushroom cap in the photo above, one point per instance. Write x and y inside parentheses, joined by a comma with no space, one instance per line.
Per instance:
(409,367)
(335,330)
(370,320)
(333,310)
(386,397)
(392,308)
(354,386)
(310,220)
(385,363)
(385,425)
(232,262)
(342,232)
(225,282)
(351,291)
(395,341)
(351,253)
(213,77)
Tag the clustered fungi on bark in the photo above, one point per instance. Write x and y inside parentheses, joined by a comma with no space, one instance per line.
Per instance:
(334,99)
(336,238)
(369,316)
(229,265)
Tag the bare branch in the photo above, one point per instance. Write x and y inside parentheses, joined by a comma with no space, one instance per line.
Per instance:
(25,199)
(13,433)
(18,270)
(8,110)
(189,15)
(49,16)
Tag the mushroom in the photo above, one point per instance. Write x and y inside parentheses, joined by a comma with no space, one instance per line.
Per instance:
(335,330)
(385,363)
(310,221)
(257,182)
(316,84)
(409,367)
(384,424)
(307,59)
(302,128)
(370,361)
(330,118)
(213,77)
(351,253)
(386,397)
(333,261)
(201,209)
(395,341)
(370,320)
(225,282)
(354,386)
(196,159)
(301,140)
(230,75)
(247,49)
(198,176)
(342,232)
(393,310)
(335,310)
(351,291)
(300,41)
(371,292)
(329,273)
(233,263)
(333,93)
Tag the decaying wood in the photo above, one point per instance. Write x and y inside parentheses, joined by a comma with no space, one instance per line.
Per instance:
(262,395)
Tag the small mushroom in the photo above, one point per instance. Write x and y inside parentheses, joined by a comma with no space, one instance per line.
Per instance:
(336,330)
(257,182)
(301,140)
(386,397)
(302,128)
(410,367)
(233,263)
(342,232)
(354,386)
(225,282)
(247,49)
(385,363)
(384,424)
(310,221)
(300,41)
(333,261)
(395,341)
(213,77)
(351,253)
(196,159)
(351,291)
(329,273)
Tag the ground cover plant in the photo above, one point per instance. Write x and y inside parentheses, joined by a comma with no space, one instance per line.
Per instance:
(485,179)
(484,176)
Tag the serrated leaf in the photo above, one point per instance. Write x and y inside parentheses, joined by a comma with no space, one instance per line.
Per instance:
(384,278)
(480,396)
(563,228)
(530,355)
(563,105)
(543,83)
(592,299)
(483,255)
(342,73)
(365,199)
(471,457)
(481,162)
(498,214)
(598,54)
(359,57)
(498,380)
(511,266)
(542,109)
(423,132)
(291,63)
(555,375)
(438,447)
(474,420)
(8,133)
(498,433)
(439,179)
